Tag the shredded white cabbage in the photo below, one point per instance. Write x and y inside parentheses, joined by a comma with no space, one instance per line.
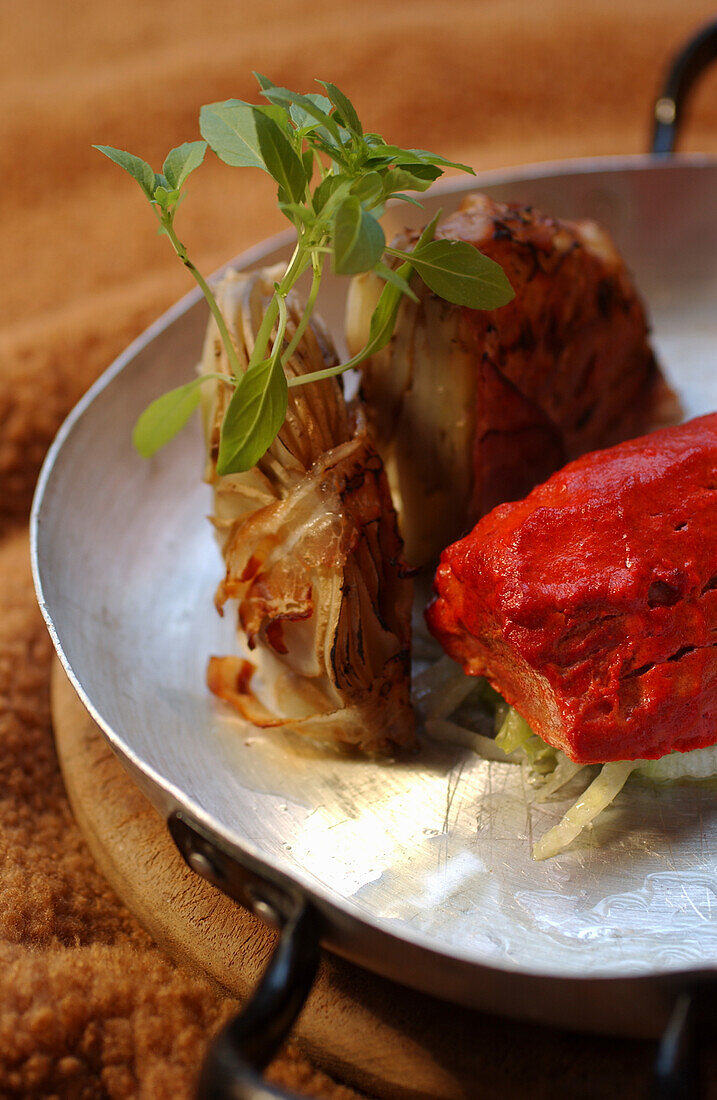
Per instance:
(443,687)
(697,764)
(486,747)
(565,770)
(600,793)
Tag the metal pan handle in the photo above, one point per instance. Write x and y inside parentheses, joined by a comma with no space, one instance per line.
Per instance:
(695,56)
(245,1046)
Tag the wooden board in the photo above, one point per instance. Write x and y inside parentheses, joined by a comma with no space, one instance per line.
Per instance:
(364,1030)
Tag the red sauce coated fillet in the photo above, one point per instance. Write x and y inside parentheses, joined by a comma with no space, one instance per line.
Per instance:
(592,604)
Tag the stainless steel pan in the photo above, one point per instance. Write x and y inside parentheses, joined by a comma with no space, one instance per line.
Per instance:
(420,871)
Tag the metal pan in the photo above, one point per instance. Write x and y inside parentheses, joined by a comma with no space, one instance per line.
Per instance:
(420,871)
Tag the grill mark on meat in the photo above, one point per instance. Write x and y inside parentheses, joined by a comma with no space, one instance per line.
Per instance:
(683,651)
(583,628)
(638,671)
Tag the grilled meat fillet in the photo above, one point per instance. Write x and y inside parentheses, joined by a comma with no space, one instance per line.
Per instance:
(592,604)
(471,408)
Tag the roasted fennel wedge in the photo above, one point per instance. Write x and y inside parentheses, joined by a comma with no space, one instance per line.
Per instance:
(311,549)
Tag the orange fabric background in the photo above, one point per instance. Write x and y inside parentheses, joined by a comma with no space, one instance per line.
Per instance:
(86,1003)
(493,81)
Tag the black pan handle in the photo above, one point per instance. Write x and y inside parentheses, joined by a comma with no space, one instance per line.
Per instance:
(695,56)
(245,1046)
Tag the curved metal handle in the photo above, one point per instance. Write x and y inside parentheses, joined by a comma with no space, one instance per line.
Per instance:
(691,61)
(245,1046)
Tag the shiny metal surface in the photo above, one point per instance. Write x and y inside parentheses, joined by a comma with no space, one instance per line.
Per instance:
(422,870)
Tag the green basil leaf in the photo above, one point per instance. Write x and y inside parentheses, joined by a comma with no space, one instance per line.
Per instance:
(163,197)
(345,108)
(297,213)
(230,129)
(390,153)
(263,81)
(165,416)
(137,168)
(410,177)
(335,152)
(408,158)
(282,162)
(332,187)
(305,111)
(429,172)
(383,318)
(182,161)
(401,179)
(428,232)
(390,275)
(253,417)
(461,274)
(368,188)
(433,158)
(406,198)
(358,239)
(376,163)
(312,110)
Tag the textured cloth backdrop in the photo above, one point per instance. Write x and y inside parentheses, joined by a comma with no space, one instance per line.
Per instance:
(88,1006)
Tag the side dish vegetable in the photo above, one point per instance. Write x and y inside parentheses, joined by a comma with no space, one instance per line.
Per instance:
(312,551)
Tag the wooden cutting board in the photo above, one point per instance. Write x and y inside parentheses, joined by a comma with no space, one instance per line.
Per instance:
(364,1030)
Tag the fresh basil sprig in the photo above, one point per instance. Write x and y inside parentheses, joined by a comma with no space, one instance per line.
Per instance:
(333,181)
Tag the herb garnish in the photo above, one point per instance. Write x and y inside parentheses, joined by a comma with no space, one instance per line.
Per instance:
(333,183)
